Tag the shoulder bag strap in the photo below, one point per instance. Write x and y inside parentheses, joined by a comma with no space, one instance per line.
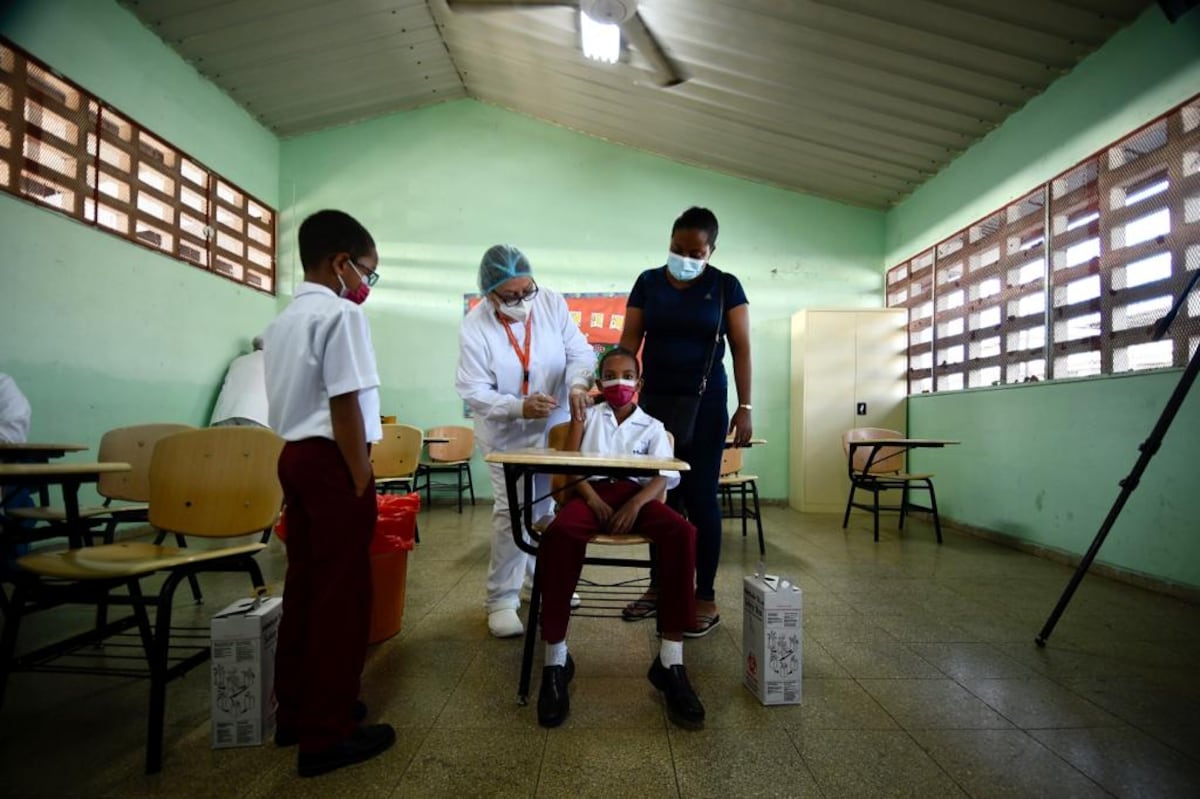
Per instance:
(712,353)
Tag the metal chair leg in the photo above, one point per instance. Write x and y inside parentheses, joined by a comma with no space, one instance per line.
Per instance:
(197,596)
(875,494)
(8,641)
(849,505)
(470,483)
(743,514)
(903,504)
(937,520)
(110,534)
(531,631)
(156,716)
(458,475)
(762,547)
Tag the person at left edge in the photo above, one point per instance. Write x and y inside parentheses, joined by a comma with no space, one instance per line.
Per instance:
(15,412)
(243,398)
(522,364)
(15,416)
(323,400)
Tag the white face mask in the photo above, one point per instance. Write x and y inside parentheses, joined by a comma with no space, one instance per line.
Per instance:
(684,269)
(519,312)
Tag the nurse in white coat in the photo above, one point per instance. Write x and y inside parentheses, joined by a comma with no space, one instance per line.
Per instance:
(523,367)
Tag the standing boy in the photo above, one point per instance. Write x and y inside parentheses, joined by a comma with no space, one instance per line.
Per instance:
(323,392)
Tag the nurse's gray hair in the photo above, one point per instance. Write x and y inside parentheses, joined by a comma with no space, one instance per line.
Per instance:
(500,264)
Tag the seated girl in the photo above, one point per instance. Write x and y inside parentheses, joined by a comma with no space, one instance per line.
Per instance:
(598,505)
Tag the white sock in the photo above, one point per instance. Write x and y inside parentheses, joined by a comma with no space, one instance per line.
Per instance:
(671,653)
(556,654)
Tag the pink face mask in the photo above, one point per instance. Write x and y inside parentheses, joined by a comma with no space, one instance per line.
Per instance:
(618,393)
(359,295)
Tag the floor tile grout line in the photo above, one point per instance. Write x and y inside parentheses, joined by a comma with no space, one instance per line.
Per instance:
(666,731)
(1038,743)
(790,734)
(537,780)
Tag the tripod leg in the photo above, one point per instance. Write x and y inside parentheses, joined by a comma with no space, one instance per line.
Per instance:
(1148,448)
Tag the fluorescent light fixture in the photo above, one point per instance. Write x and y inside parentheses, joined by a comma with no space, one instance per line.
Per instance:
(600,42)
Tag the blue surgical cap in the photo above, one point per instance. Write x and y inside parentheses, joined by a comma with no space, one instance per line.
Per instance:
(500,264)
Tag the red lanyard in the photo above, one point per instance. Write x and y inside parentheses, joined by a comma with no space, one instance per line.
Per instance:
(523,357)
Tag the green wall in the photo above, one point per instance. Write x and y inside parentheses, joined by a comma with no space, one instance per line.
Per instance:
(99,332)
(1041,462)
(437,186)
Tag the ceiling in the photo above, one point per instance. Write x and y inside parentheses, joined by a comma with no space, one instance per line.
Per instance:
(858,101)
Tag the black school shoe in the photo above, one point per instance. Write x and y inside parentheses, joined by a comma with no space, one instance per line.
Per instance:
(363,744)
(683,706)
(553,701)
(290,736)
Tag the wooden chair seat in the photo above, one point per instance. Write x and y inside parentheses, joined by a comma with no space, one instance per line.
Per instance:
(128,559)
(53,514)
(737,479)
(627,539)
(896,476)
(606,539)
(444,464)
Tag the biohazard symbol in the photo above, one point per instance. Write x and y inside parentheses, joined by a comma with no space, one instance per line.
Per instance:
(784,651)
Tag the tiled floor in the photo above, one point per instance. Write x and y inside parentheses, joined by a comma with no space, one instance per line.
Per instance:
(920,679)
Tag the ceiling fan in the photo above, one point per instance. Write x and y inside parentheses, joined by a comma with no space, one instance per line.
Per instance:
(622,13)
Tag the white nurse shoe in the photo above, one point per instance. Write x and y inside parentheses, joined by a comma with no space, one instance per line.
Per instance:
(505,623)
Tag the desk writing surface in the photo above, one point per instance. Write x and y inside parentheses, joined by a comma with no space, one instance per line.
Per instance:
(541,456)
(8,448)
(904,442)
(52,470)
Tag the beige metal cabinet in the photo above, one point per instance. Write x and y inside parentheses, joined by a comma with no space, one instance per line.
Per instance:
(848,370)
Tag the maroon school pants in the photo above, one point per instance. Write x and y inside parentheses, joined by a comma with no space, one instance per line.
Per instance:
(326,595)
(562,549)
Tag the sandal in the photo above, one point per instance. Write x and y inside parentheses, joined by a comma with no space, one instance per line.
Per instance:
(704,625)
(640,609)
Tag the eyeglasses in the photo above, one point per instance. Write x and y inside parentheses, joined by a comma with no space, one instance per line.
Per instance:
(371,277)
(513,301)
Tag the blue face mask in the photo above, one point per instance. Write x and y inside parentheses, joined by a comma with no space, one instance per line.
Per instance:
(685,269)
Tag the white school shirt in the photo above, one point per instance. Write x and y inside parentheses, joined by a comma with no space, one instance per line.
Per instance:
(489,371)
(319,347)
(640,434)
(244,393)
(15,412)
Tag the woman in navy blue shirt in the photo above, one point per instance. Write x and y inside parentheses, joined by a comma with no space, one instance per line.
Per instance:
(675,310)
